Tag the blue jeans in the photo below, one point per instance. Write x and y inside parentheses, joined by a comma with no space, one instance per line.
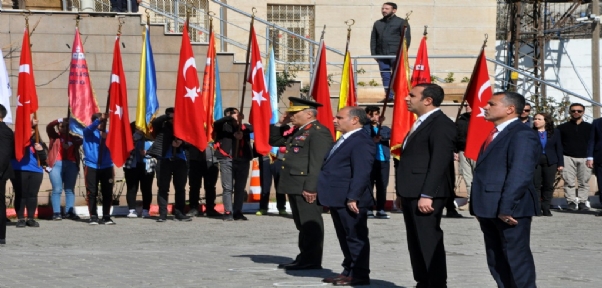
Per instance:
(63,174)
(385,66)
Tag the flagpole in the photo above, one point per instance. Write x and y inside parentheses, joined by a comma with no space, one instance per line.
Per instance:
(319,52)
(397,60)
(66,136)
(462,104)
(35,113)
(244,82)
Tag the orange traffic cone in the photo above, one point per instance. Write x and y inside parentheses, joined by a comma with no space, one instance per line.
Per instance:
(255,188)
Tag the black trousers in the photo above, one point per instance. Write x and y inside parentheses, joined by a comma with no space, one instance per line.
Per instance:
(177,169)
(598,171)
(3,209)
(309,223)
(508,251)
(137,177)
(198,172)
(106,178)
(379,177)
(267,171)
(352,232)
(544,182)
(425,242)
(27,185)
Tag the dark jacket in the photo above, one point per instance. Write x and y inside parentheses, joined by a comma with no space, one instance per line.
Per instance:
(594,147)
(7,152)
(553,149)
(462,128)
(302,162)
(385,134)
(386,35)
(224,129)
(164,131)
(575,138)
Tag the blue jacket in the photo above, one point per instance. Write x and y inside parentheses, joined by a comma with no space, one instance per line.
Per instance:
(91,148)
(503,174)
(29,162)
(346,173)
(385,134)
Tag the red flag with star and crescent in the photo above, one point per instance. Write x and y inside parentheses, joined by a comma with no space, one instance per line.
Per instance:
(261,111)
(27,99)
(189,119)
(478,93)
(119,138)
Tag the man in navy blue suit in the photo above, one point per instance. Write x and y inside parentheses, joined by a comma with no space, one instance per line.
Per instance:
(344,186)
(503,195)
(594,153)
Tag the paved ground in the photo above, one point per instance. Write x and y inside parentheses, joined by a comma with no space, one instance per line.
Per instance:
(212,253)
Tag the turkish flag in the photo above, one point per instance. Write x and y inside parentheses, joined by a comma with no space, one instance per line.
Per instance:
(27,99)
(422,71)
(478,93)
(119,138)
(320,90)
(189,114)
(261,113)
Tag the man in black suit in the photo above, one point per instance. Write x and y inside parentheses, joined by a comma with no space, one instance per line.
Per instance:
(594,153)
(7,148)
(424,180)
(503,195)
(344,185)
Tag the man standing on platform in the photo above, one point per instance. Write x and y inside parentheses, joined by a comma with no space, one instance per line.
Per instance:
(306,148)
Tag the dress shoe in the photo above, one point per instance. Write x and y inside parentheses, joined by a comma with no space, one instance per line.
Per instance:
(583,207)
(333,279)
(350,281)
(453,215)
(212,213)
(2,241)
(303,267)
(21,223)
(284,265)
(547,213)
(239,216)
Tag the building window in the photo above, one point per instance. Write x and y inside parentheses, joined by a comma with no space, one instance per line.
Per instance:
(298,19)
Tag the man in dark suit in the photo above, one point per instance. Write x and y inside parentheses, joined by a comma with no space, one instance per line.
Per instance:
(305,150)
(594,153)
(7,148)
(344,186)
(424,180)
(503,195)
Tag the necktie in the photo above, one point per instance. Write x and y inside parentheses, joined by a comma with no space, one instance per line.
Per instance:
(412,130)
(336,145)
(489,138)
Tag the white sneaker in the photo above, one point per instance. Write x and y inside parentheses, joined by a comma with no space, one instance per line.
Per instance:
(132,214)
(145,214)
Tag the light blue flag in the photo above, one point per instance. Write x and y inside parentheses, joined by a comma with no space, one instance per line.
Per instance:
(152,101)
(76,127)
(270,80)
(218,111)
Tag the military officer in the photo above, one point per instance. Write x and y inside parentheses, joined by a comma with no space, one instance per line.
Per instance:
(306,148)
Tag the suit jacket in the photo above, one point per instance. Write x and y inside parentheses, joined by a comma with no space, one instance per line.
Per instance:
(385,133)
(554,149)
(346,173)
(503,174)
(7,152)
(594,146)
(426,165)
(302,161)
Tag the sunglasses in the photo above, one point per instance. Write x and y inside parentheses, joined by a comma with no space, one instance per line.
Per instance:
(576,111)
(526,110)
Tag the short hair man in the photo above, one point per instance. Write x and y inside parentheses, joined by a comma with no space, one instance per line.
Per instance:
(7,150)
(525,116)
(344,186)
(425,181)
(385,40)
(503,195)
(379,176)
(574,135)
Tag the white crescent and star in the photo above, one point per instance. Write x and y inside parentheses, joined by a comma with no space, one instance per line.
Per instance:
(189,63)
(482,89)
(114,78)
(119,111)
(191,93)
(258,96)
(19,101)
(24,68)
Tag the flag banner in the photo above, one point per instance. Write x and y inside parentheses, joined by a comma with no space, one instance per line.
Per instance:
(320,90)
(189,116)
(82,100)
(208,91)
(402,118)
(477,95)
(218,110)
(5,92)
(119,138)
(347,94)
(27,99)
(270,79)
(261,112)
(148,102)
(422,71)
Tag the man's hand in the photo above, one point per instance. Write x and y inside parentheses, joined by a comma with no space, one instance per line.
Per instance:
(352,205)
(176,143)
(238,135)
(103,116)
(377,138)
(381,119)
(284,119)
(34,122)
(508,219)
(310,197)
(560,168)
(588,163)
(425,205)
(38,147)
(103,134)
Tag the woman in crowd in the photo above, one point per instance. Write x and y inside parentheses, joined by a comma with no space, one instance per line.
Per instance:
(139,171)
(63,166)
(28,179)
(550,160)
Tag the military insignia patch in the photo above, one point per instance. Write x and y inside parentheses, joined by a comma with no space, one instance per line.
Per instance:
(308,126)
(296,149)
